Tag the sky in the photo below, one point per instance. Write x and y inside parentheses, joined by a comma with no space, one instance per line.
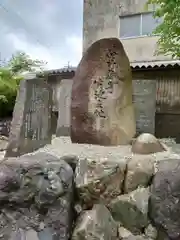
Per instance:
(49,30)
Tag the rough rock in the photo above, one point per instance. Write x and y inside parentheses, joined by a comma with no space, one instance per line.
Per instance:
(140,170)
(151,232)
(132,210)
(124,233)
(3,143)
(96,224)
(72,160)
(146,143)
(99,182)
(136,237)
(102,111)
(36,193)
(164,207)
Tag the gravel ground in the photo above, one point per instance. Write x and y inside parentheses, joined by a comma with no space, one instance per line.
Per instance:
(62,146)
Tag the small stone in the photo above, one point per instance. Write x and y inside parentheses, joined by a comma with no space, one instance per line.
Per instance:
(136,237)
(146,143)
(132,210)
(151,232)
(124,233)
(96,224)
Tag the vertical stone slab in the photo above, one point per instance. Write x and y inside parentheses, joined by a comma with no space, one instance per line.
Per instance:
(102,111)
(63,124)
(144,97)
(31,124)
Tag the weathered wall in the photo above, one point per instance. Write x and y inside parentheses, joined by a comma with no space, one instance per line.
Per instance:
(102,19)
(64,103)
(56,85)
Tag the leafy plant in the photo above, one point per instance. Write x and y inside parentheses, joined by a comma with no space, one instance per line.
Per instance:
(169,29)
(10,77)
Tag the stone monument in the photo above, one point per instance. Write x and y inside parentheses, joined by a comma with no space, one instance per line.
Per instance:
(102,111)
(63,123)
(31,123)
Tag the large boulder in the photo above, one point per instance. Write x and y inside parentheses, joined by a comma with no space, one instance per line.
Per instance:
(36,196)
(132,210)
(99,181)
(96,224)
(146,143)
(164,207)
(102,111)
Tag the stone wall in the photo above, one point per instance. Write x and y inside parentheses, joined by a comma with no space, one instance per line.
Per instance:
(112,194)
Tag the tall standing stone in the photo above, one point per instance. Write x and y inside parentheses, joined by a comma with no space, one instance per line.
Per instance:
(63,123)
(102,111)
(144,95)
(31,124)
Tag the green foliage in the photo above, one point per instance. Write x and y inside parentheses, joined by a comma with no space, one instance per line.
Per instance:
(8,90)
(21,62)
(10,77)
(169,29)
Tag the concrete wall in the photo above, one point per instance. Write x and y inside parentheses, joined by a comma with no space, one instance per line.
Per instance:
(102,19)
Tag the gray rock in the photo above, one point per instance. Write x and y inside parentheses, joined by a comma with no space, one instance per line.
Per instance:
(21,234)
(151,232)
(96,224)
(136,237)
(40,199)
(146,143)
(164,207)
(140,170)
(99,182)
(72,160)
(124,233)
(132,210)
(3,143)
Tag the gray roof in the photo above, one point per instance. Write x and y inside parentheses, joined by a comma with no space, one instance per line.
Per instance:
(61,70)
(134,65)
(155,64)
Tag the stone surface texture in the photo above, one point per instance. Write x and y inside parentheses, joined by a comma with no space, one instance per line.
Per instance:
(96,224)
(31,123)
(36,196)
(99,181)
(164,205)
(95,192)
(102,111)
(132,210)
(140,170)
(146,143)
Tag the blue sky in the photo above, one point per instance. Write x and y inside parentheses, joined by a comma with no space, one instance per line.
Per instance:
(49,30)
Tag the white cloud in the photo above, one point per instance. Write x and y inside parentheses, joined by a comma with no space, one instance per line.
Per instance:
(74,46)
(52,56)
(56,24)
